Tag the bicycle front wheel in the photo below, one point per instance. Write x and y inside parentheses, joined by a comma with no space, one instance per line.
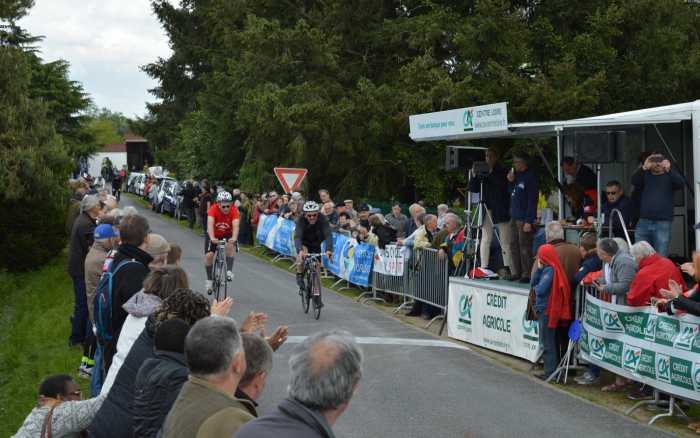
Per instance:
(306,296)
(221,283)
(317,298)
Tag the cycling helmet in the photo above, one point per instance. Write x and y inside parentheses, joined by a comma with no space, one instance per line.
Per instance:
(224,197)
(311,207)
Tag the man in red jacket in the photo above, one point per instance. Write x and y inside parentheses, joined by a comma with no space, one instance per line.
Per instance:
(654,273)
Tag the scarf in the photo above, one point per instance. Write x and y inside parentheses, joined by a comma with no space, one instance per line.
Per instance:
(559,302)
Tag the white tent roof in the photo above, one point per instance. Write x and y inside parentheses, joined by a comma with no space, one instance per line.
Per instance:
(662,114)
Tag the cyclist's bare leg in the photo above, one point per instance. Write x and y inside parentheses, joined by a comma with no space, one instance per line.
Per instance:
(208,263)
(230,254)
(300,268)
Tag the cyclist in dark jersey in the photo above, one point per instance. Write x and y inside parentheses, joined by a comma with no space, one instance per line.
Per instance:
(311,230)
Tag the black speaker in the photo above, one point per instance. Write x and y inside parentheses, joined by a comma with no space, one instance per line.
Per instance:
(595,147)
(459,158)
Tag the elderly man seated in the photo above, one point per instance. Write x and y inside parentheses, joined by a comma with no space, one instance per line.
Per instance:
(653,275)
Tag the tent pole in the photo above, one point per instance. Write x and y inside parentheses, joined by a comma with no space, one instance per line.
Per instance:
(559,175)
(696,164)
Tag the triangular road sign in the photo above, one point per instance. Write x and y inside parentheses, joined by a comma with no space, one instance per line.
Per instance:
(289,178)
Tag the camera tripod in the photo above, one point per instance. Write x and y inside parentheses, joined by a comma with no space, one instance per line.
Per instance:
(475,222)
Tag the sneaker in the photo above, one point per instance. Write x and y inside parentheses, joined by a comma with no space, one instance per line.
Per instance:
(209,286)
(642,393)
(586,379)
(85,371)
(229,276)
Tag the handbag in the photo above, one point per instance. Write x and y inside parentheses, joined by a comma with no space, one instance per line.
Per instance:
(46,430)
(530,314)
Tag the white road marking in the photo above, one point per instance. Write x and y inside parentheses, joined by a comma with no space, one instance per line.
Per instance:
(394,341)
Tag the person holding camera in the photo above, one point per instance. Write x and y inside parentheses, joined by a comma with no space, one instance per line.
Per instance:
(655,182)
(493,176)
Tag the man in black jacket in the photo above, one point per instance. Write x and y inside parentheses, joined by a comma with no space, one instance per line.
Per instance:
(133,232)
(80,241)
(497,200)
(312,228)
(325,371)
(189,194)
(160,378)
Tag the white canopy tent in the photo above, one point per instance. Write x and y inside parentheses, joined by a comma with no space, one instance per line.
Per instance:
(678,113)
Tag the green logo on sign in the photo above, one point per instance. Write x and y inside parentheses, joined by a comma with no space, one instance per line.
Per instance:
(663,367)
(468,120)
(597,347)
(696,376)
(650,328)
(465,309)
(685,338)
(531,329)
(612,322)
(632,358)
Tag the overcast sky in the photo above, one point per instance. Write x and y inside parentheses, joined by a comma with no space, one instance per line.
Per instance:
(105,42)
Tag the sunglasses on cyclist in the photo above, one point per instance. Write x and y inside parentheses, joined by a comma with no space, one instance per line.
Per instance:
(311,214)
(226,206)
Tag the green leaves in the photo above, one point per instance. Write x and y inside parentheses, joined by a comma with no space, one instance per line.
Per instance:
(330,85)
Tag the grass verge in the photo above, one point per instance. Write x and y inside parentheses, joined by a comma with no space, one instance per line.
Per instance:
(34,327)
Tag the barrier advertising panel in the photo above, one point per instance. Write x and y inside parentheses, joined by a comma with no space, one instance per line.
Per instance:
(390,260)
(491,317)
(660,350)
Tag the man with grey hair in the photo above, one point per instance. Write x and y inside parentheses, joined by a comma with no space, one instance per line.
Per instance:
(569,254)
(619,269)
(442,209)
(206,406)
(258,363)
(325,370)
(655,272)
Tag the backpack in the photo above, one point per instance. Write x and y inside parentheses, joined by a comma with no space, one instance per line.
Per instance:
(103,303)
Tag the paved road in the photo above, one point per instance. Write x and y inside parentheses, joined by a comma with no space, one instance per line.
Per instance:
(407,390)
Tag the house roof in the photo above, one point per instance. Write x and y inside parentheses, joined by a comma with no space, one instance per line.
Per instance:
(114,148)
(130,137)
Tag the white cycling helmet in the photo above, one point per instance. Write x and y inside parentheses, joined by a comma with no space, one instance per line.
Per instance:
(311,207)
(224,197)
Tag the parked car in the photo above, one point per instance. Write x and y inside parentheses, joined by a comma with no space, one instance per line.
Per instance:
(141,185)
(170,196)
(132,181)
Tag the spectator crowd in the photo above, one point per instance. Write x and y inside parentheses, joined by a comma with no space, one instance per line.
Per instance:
(153,368)
(146,336)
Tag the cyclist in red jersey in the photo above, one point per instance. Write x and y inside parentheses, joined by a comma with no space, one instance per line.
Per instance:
(222,223)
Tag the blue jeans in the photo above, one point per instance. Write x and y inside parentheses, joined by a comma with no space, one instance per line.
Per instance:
(80,318)
(548,340)
(657,233)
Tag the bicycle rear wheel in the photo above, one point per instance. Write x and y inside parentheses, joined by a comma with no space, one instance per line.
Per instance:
(306,295)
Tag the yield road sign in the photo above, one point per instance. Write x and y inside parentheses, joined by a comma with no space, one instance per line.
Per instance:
(290,178)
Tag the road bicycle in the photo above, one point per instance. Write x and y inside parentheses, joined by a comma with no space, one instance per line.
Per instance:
(219,272)
(312,284)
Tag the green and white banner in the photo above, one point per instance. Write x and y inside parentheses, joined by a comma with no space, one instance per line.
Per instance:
(660,350)
(492,316)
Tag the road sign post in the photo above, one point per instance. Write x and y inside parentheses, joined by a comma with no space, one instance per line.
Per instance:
(290,179)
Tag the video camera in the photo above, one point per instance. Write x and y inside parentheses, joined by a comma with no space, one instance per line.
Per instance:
(481,169)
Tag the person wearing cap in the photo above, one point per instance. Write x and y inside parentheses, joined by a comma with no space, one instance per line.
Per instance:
(106,238)
(363,216)
(81,238)
(158,248)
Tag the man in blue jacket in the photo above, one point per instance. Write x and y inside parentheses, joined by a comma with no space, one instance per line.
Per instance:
(524,186)
(656,181)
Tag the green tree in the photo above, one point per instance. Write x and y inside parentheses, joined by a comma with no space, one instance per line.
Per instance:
(39,127)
